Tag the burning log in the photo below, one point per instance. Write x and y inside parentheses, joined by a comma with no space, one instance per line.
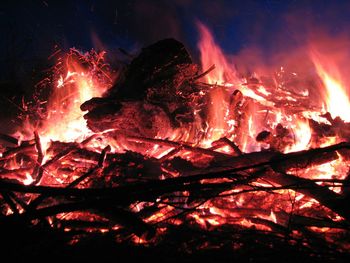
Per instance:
(224,141)
(93,170)
(326,197)
(10,202)
(23,148)
(216,154)
(152,95)
(275,160)
(8,139)
(38,170)
(69,149)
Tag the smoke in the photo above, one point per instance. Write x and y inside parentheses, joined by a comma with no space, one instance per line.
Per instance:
(271,34)
(283,40)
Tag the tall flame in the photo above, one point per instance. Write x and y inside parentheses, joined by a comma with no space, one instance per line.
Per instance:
(74,85)
(223,74)
(336,98)
(211,54)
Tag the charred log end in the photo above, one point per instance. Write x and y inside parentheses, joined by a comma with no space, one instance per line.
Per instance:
(133,118)
(148,66)
(263,136)
(151,96)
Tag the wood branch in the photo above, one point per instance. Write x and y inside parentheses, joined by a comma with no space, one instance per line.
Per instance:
(134,192)
(37,201)
(144,191)
(162,142)
(298,220)
(204,73)
(23,148)
(232,145)
(103,155)
(167,185)
(83,224)
(326,197)
(217,145)
(117,215)
(274,226)
(279,161)
(283,218)
(237,164)
(170,154)
(18,200)
(14,173)
(72,147)
(9,139)
(38,169)
(106,202)
(94,169)
(128,219)
(10,202)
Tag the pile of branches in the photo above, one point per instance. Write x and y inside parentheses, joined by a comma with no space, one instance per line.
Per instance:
(105,193)
(83,201)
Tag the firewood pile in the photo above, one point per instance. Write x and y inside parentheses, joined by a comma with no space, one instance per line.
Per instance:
(193,202)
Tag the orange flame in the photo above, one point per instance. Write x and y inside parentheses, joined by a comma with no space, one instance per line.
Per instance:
(75,85)
(336,98)
(211,54)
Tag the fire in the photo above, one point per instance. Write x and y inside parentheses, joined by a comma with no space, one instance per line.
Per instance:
(74,85)
(302,133)
(211,55)
(29,179)
(246,130)
(336,98)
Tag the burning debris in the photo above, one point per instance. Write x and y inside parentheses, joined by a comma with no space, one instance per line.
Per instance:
(153,94)
(173,158)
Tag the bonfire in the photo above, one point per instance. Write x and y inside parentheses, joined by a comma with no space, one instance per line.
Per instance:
(166,153)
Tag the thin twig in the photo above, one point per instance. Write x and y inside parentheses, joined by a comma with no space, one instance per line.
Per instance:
(10,202)
(178,144)
(8,138)
(204,73)
(38,169)
(92,170)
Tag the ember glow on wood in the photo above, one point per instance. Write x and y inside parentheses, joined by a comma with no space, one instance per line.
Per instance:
(168,145)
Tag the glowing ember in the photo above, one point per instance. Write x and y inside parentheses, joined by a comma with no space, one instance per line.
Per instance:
(302,133)
(29,180)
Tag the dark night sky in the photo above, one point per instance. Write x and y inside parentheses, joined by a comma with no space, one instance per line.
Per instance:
(31,29)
